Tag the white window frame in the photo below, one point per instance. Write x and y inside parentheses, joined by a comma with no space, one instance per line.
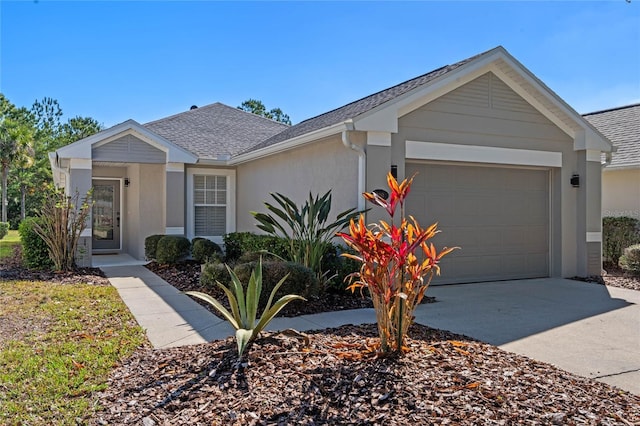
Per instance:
(231,201)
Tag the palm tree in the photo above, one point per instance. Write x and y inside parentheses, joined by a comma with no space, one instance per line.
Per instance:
(15,149)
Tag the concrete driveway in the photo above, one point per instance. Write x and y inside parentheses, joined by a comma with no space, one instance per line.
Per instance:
(587,329)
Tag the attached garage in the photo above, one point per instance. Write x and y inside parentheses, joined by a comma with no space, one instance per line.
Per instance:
(500,216)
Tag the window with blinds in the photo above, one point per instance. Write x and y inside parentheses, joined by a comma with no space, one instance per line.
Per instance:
(210,205)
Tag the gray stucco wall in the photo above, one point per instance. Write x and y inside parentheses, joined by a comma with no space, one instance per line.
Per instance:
(486,112)
(317,168)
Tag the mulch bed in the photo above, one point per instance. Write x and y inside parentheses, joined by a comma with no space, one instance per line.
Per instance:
(11,269)
(443,379)
(186,276)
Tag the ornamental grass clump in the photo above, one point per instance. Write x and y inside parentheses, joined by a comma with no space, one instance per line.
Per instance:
(391,270)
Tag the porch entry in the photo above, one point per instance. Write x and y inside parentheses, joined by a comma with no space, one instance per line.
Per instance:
(106,223)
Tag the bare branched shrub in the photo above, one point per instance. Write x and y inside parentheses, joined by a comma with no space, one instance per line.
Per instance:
(62,220)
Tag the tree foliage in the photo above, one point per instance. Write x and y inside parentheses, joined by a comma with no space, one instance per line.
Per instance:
(26,186)
(257,107)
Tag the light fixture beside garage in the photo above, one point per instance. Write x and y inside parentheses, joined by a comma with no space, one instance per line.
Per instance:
(575,180)
(127,182)
(394,171)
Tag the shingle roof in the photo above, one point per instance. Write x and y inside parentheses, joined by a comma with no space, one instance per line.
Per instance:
(358,107)
(622,127)
(215,130)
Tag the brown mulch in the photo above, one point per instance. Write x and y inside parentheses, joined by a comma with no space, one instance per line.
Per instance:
(11,269)
(614,277)
(443,379)
(186,277)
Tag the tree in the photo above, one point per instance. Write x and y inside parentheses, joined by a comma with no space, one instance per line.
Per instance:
(255,106)
(15,149)
(26,185)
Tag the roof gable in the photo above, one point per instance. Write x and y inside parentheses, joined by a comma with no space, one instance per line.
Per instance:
(83,148)
(380,111)
(622,127)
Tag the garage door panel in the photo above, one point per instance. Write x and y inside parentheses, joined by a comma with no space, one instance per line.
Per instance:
(499,216)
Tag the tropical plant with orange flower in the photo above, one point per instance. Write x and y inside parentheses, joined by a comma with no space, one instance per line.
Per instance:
(398,263)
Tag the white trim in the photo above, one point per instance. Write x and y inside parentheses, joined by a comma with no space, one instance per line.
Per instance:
(379,138)
(231,201)
(80,164)
(289,144)
(87,232)
(481,154)
(174,230)
(82,148)
(175,167)
(594,237)
(593,155)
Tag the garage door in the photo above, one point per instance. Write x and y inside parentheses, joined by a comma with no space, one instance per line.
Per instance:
(499,217)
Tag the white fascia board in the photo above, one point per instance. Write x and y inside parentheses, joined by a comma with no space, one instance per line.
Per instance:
(595,140)
(83,147)
(384,118)
(417,150)
(289,144)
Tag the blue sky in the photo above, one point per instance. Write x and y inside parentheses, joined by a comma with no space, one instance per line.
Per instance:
(145,60)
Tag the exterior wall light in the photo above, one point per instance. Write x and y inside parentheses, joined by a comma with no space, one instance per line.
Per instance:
(127,182)
(575,181)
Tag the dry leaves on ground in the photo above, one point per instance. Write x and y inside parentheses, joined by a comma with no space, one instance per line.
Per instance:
(444,379)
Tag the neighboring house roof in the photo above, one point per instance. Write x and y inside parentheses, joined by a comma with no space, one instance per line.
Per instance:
(622,127)
(215,131)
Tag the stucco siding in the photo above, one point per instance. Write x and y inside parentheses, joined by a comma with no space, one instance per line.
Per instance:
(621,193)
(128,149)
(486,112)
(325,165)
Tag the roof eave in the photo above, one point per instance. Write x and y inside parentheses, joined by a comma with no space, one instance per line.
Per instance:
(289,144)
(82,148)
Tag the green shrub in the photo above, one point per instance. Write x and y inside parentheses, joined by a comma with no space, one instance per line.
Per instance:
(618,233)
(204,250)
(630,260)
(35,253)
(151,245)
(238,243)
(212,272)
(302,280)
(4,229)
(171,249)
(340,268)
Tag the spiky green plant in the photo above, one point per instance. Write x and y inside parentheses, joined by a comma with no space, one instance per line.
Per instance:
(244,307)
(305,228)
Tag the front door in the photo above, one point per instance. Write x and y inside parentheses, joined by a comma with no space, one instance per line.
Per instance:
(106,215)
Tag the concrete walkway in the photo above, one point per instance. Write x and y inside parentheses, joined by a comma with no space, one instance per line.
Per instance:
(588,329)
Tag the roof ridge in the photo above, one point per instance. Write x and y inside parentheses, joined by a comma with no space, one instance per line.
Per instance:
(612,109)
(184,112)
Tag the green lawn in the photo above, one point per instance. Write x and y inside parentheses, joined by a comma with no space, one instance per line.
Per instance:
(7,244)
(58,344)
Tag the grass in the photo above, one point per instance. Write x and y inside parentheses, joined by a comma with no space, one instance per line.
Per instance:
(7,244)
(60,346)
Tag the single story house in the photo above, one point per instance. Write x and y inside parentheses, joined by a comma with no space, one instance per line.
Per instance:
(508,169)
(621,177)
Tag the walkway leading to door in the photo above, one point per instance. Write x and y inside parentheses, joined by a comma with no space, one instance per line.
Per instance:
(587,329)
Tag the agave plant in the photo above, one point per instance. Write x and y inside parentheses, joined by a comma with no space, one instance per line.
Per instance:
(306,228)
(244,306)
(392,272)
